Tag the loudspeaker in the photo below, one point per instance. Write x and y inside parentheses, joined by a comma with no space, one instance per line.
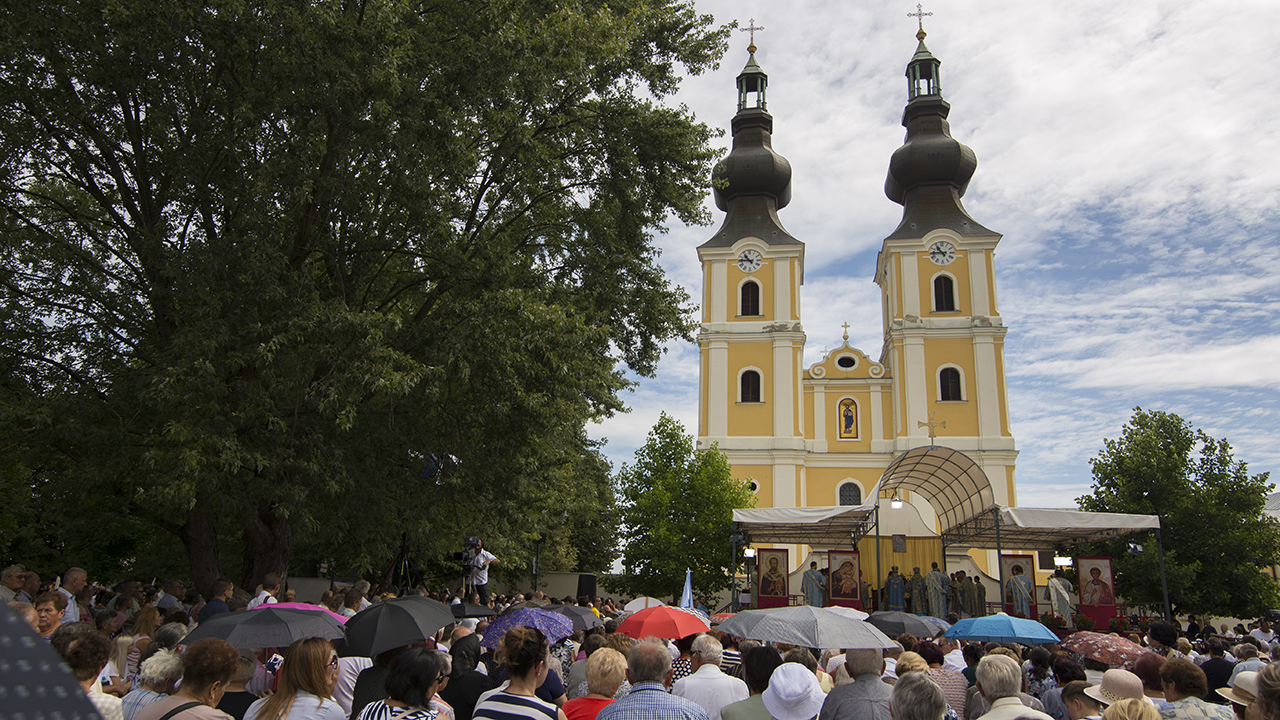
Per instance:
(587,585)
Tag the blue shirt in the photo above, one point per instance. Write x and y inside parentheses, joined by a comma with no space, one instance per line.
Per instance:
(138,699)
(650,701)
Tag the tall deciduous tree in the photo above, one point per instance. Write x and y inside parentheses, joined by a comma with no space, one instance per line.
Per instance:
(1216,537)
(677,508)
(261,262)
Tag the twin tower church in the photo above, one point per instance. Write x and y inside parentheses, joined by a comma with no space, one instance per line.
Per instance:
(823,435)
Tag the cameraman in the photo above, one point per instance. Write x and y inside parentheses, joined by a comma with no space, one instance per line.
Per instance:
(480,570)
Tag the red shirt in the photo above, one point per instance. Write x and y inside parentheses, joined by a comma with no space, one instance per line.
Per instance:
(585,708)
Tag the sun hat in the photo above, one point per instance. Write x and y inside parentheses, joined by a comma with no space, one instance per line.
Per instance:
(1116,685)
(1244,690)
(793,693)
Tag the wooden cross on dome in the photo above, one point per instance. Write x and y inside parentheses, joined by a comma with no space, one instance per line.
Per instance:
(752,28)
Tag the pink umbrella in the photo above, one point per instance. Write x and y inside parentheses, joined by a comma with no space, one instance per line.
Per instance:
(308,606)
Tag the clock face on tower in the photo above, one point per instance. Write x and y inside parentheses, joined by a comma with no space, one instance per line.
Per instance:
(749,261)
(942,252)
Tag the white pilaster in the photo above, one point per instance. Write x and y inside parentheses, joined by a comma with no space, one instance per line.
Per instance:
(719,293)
(979,295)
(783,397)
(820,418)
(877,416)
(781,289)
(987,386)
(918,382)
(910,285)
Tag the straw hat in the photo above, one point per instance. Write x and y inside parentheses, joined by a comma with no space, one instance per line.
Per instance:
(793,693)
(1116,685)
(1244,690)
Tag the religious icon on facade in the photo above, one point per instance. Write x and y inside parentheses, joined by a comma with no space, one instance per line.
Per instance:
(773,573)
(846,576)
(848,419)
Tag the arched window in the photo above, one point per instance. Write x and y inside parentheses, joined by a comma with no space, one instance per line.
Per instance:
(750,298)
(850,494)
(750,386)
(949,385)
(944,294)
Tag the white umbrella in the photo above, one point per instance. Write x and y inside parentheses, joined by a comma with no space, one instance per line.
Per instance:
(641,603)
(806,626)
(851,613)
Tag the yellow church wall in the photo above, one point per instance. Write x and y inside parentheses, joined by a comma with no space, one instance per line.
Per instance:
(763,476)
(765,279)
(824,482)
(959,272)
(961,417)
(751,419)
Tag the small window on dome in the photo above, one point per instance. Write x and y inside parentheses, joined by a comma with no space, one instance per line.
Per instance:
(847,362)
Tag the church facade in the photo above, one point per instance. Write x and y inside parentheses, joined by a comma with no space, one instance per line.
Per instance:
(822,435)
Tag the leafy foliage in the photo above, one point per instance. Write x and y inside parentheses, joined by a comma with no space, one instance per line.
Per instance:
(677,508)
(261,264)
(1216,536)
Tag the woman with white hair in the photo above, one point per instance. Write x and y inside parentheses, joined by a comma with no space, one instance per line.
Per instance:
(916,697)
(999,680)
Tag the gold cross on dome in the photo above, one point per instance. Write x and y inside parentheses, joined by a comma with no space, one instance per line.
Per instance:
(920,15)
(931,425)
(752,28)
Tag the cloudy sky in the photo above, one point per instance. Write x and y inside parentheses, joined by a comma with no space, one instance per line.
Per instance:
(1127,153)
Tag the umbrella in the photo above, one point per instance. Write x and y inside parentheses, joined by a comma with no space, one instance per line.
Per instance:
(554,625)
(267,627)
(894,624)
(851,613)
(662,622)
(937,622)
(395,623)
(471,610)
(1002,628)
(583,618)
(721,617)
(694,612)
(641,603)
(313,608)
(526,605)
(1116,652)
(806,626)
(33,681)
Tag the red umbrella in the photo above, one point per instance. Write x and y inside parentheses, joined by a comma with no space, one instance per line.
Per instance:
(662,622)
(1114,651)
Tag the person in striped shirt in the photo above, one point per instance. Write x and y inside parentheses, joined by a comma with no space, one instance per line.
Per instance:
(527,657)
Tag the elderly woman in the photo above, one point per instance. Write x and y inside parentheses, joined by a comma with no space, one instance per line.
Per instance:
(999,682)
(1184,686)
(606,669)
(916,697)
(414,677)
(207,669)
(910,663)
(49,609)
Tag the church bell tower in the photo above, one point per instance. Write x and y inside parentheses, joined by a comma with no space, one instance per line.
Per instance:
(751,340)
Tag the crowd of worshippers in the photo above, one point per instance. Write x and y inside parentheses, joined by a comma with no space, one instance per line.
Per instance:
(129,656)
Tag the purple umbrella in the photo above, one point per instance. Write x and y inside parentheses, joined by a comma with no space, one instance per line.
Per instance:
(555,626)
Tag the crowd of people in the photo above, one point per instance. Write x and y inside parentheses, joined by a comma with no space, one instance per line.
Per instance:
(125,647)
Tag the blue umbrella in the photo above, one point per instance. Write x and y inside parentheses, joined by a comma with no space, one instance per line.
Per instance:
(554,625)
(1002,628)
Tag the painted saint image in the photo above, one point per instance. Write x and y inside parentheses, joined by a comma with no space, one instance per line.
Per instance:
(848,419)
(774,582)
(1095,591)
(846,576)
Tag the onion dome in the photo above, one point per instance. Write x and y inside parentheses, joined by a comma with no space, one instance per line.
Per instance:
(753,181)
(931,171)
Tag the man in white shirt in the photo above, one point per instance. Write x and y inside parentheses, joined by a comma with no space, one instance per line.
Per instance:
(11,582)
(267,596)
(480,570)
(999,680)
(1264,633)
(707,686)
(72,582)
(954,657)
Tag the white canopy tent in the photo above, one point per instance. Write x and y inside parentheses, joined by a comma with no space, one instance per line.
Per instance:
(836,526)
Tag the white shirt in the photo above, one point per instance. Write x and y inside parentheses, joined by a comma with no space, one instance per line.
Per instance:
(72,613)
(480,575)
(890,668)
(954,660)
(264,598)
(1266,638)
(348,669)
(1010,708)
(711,689)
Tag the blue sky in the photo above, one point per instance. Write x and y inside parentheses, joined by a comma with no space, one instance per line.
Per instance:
(1127,153)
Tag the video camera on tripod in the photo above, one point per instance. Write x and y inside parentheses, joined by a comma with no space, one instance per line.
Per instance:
(470,551)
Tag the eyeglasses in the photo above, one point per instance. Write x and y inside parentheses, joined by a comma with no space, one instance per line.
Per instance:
(333,662)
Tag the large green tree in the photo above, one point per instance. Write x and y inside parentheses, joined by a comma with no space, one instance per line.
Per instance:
(677,506)
(264,266)
(1216,536)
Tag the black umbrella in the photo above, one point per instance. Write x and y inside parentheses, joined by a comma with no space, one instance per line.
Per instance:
(471,610)
(583,619)
(267,627)
(395,623)
(894,624)
(34,683)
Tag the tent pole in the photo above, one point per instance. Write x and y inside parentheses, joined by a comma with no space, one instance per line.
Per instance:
(995,514)
(1164,584)
(879,576)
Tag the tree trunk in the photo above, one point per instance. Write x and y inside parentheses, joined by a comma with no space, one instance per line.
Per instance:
(200,538)
(268,546)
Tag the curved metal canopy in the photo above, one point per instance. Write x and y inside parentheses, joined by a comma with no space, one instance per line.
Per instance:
(950,480)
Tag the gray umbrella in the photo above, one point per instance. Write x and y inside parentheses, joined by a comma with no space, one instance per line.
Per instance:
(806,626)
(896,623)
(583,618)
(34,683)
(267,626)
